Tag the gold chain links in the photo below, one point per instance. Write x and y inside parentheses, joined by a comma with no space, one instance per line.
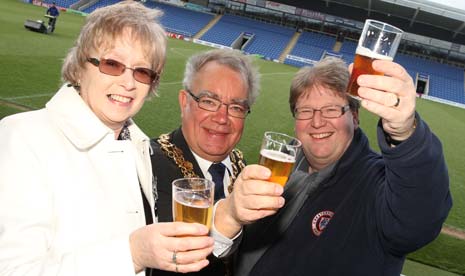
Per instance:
(187,169)
(173,152)
(237,163)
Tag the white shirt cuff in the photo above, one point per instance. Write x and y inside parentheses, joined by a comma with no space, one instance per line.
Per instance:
(223,245)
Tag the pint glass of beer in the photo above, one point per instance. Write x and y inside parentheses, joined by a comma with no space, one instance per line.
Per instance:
(278,153)
(378,41)
(193,200)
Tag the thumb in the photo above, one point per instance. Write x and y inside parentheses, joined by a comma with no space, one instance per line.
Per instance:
(256,172)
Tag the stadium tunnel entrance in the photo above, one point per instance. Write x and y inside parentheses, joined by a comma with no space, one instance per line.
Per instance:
(242,40)
(422,84)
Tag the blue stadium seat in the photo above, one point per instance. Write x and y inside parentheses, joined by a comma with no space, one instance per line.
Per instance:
(311,46)
(174,19)
(99,4)
(349,47)
(446,81)
(61,3)
(269,40)
(323,41)
(181,20)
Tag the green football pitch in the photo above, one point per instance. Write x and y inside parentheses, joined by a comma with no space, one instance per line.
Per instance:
(30,74)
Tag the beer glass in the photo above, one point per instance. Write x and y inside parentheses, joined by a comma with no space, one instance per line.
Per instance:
(278,153)
(193,200)
(379,40)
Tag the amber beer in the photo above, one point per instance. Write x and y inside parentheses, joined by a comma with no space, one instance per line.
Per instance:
(362,65)
(279,163)
(378,40)
(193,200)
(188,207)
(278,153)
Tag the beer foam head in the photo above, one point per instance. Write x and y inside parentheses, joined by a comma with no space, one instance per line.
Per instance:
(369,53)
(277,156)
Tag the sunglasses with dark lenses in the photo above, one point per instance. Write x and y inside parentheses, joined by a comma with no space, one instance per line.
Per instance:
(115,68)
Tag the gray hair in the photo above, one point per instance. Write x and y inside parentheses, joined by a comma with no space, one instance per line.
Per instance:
(105,25)
(330,72)
(233,59)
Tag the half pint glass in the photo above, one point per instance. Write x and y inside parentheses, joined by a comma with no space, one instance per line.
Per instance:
(278,153)
(378,41)
(193,200)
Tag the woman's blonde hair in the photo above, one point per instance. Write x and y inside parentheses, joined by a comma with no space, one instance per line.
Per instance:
(105,25)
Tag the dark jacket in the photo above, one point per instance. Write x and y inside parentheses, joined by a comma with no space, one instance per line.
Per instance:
(53,11)
(165,170)
(360,216)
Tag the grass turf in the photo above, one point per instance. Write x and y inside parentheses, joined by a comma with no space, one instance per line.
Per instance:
(30,75)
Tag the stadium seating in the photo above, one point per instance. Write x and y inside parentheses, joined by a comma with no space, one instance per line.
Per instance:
(349,46)
(61,3)
(348,50)
(100,4)
(318,40)
(295,63)
(311,46)
(446,82)
(181,20)
(269,39)
(447,89)
(307,51)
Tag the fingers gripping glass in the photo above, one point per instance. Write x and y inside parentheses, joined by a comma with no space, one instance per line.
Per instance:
(115,68)
(328,112)
(209,103)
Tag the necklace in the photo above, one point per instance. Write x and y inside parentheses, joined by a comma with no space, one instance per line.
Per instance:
(187,168)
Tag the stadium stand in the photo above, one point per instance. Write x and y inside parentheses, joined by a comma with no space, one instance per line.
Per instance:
(311,46)
(348,50)
(61,3)
(229,27)
(100,4)
(323,41)
(446,81)
(181,20)
(269,40)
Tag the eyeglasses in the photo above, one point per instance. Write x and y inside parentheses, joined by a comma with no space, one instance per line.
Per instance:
(115,68)
(209,103)
(328,112)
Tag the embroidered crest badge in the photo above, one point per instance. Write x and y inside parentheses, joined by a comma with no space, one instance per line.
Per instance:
(320,221)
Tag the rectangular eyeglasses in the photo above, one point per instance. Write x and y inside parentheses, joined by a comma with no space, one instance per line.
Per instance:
(209,103)
(115,68)
(328,112)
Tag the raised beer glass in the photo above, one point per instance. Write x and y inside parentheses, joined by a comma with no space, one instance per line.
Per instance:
(379,40)
(193,200)
(278,153)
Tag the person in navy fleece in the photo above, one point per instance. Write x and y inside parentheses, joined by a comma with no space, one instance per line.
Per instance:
(348,209)
(53,11)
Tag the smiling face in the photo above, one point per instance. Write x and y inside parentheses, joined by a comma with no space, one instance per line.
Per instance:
(324,141)
(115,99)
(213,135)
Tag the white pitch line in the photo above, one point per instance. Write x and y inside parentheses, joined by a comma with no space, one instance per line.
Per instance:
(28,97)
(278,73)
(179,51)
(161,84)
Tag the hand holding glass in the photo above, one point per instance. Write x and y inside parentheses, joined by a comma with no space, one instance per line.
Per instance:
(193,200)
(378,41)
(278,153)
